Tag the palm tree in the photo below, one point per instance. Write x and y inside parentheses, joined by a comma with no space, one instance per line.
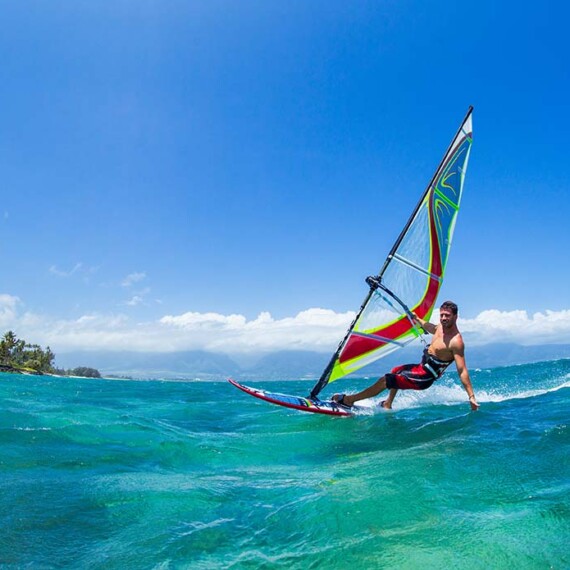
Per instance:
(7,344)
(10,339)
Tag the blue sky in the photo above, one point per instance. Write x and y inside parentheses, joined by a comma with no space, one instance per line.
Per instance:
(173,170)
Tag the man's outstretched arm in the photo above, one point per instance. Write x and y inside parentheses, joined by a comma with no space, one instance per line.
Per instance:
(459,357)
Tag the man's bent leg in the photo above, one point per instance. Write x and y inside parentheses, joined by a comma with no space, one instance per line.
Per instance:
(387,403)
(369,392)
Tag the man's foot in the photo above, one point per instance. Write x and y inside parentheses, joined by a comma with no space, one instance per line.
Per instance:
(341,400)
(386,405)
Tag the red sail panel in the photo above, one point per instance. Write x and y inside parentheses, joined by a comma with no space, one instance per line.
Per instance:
(358,345)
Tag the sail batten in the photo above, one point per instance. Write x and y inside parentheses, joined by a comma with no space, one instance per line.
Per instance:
(413,271)
(378,338)
(416,267)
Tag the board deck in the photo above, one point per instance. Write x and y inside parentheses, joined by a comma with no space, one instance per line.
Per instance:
(314,406)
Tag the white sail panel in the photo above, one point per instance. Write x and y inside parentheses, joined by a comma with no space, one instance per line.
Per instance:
(413,272)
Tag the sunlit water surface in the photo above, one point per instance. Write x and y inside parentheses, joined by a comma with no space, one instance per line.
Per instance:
(129,474)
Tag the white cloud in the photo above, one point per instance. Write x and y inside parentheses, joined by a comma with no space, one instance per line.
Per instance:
(138,298)
(133,278)
(62,273)
(8,309)
(212,321)
(313,329)
(78,269)
(517,326)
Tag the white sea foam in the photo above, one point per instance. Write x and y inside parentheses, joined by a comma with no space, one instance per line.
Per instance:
(450,396)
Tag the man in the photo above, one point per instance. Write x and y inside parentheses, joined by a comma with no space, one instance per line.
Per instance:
(446,347)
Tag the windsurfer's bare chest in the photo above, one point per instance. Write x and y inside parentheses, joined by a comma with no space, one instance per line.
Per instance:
(440,345)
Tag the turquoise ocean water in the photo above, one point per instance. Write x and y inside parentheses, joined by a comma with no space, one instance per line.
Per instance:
(130,474)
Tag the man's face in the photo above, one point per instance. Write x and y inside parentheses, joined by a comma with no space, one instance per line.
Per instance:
(447,318)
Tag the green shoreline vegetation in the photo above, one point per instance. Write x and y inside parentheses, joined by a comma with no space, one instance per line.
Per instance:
(20,357)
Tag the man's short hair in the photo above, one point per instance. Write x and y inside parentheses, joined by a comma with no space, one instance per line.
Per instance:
(450,306)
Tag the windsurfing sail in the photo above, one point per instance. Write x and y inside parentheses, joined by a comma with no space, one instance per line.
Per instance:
(411,277)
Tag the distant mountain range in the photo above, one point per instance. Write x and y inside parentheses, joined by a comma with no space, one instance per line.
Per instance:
(282,365)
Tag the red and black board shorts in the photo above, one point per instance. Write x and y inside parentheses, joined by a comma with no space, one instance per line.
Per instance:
(409,377)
